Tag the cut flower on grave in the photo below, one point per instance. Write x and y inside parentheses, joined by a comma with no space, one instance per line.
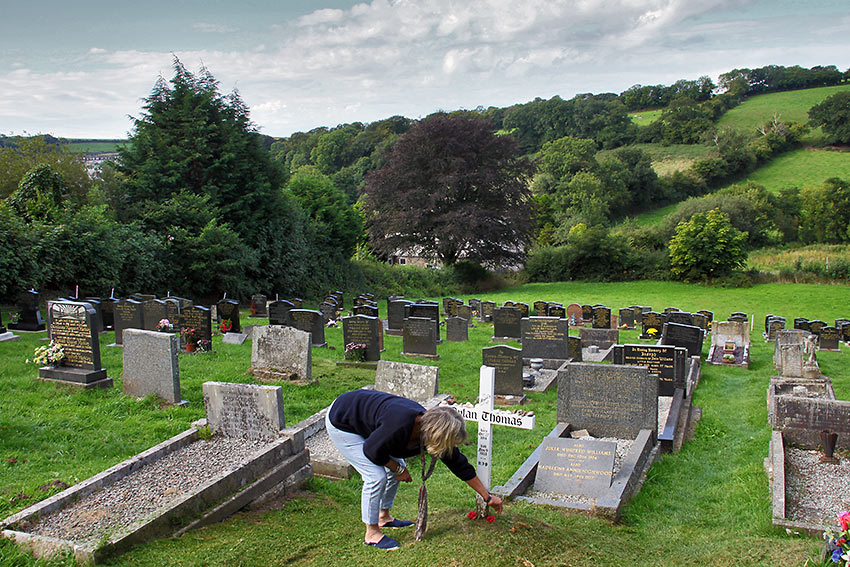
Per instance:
(839,543)
(225,326)
(50,355)
(355,352)
(164,326)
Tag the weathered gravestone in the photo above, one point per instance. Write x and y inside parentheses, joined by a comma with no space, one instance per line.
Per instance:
(707,314)
(507,324)
(154,311)
(150,365)
(174,313)
(700,321)
(652,324)
(801,420)
(475,305)
(788,352)
(311,322)
(457,329)
(279,312)
(686,336)
(72,329)
(395,316)
(297,302)
(730,343)
(828,339)
(626,317)
(108,308)
(199,318)
(574,347)
(244,411)
(844,329)
(228,310)
(363,330)
(523,307)
(544,337)
(507,361)
(608,400)
(413,381)
(328,309)
(281,353)
(419,338)
(430,311)
(129,314)
(575,466)
(29,316)
(587,312)
(259,305)
(668,362)
(601,318)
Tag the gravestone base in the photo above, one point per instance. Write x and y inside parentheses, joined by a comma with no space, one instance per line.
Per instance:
(509,400)
(609,504)
(353,364)
(596,354)
(275,375)
(680,424)
(394,332)
(420,355)
(80,377)
(234,338)
(742,357)
(8,336)
(34,329)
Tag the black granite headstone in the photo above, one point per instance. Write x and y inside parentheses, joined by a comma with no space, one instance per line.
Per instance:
(228,309)
(395,314)
(419,337)
(686,336)
(129,314)
(279,312)
(545,337)
(457,329)
(258,305)
(428,310)
(199,318)
(71,327)
(669,362)
(361,329)
(154,312)
(652,324)
(508,364)
(507,323)
(626,317)
(311,322)
(828,338)
(541,308)
(29,315)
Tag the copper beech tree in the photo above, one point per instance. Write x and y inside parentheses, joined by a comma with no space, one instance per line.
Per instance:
(453,189)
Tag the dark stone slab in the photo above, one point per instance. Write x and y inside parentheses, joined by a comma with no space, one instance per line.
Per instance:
(670,363)
(609,400)
(419,337)
(601,318)
(545,337)
(457,329)
(602,338)
(652,325)
(507,323)
(487,309)
(362,329)
(508,364)
(626,317)
(802,419)
(29,315)
(587,312)
(279,312)
(700,321)
(523,307)
(229,309)
(309,321)
(687,336)
(575,466)
(557,310)
(708,314)
(774,325)
(366,309)
(395,314)
(329,310)
(72,328)
(129,314)
(828,338)
(199,318)
(816,326)
(541,308)
(465,312)
(680,317)
(574,349)
(259,305)
(155,311)
(427,310)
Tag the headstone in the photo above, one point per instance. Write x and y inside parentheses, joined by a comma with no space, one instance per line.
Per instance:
(839,322)
(395,314)
(668,310)
(844,329)
(587,312)
(258,305)
(475,305)
(413,381)
(574,349)
(507,323)
(199,318)
(668,362)
(365,330)
(601,318)
(700,321)
(582,467)
(508,364)
(368,310)
(575,314)
(427,310)
(108,309)
(154,312)
(828,339)
(707,314)
(98,313)
(72,328)
(328,310)
(465,312)
(816,326)
(279,312)
(627,318)
(29,315)
(228,310)
(419,337)
(774,325)
(457,329)
(602,338)
(129,314)
(142,297)
(544,337)
(686,336)
(609,400)
(541,308)
(523,307)
(150,365)
(297,302)
(487,309)
(739,314)
(2,328)
(652,324)
(245,411)
(638,313)
(737,318)
(173,312)
(453,305)
(281,353)
(311,322)
(557,310)
(680,317)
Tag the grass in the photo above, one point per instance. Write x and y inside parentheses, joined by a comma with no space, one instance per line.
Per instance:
(768,259)
(645,117)
(802,168)
(94,146)
(790,106)
(707,505)
(673,157)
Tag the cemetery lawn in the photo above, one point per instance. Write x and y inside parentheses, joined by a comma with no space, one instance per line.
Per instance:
(707,505)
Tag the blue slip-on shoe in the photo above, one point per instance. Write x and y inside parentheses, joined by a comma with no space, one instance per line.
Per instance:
(396,523)
(387,544)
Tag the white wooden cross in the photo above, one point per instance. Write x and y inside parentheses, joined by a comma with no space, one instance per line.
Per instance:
(486,417)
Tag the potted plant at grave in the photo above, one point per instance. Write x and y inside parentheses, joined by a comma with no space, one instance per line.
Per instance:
(729,358)
(225,326)
(50,355)
(356,352)
(164,326)
(204,345)
(190,336)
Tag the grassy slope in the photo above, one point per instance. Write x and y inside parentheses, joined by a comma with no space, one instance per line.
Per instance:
(707,505)
(802,168)
(94,146)
(644,117)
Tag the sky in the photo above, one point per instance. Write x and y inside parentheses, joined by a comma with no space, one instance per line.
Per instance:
(82,69)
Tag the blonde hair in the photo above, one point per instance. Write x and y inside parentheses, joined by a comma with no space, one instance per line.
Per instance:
(442,429)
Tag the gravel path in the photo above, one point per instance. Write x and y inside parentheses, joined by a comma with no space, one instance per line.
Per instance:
(815,492)
(139,494)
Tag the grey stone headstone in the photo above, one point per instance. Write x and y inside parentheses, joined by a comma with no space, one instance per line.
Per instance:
(487,309)
(311,322)
(545,337)
(602,338)
(150,365)
(279,312)
(281,353)
(413,381)
(669,362)
(465,312)
(29,316)
(686,336)
(425,310)
(244,411)
(575,466)
(457,329)
(788,352)
(609,400)
(681,317)
(419,337)
(508,364)
(507,323)
(574,349)
(361,329)
(802,419)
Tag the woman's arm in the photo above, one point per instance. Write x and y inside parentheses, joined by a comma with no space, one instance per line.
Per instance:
(490,499)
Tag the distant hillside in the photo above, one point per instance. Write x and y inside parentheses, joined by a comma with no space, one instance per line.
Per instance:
(76,146)
(802,168)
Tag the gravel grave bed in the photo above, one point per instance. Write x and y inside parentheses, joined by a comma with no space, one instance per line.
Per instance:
(623,448)
(138,495)
(815,492)
(664,404)
(320,445)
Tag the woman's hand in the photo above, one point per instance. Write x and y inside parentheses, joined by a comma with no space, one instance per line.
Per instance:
(404,476)
(496,503)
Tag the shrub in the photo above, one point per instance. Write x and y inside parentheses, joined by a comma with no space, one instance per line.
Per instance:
(707,246)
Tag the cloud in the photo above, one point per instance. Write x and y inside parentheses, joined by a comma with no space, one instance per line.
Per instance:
(206,27)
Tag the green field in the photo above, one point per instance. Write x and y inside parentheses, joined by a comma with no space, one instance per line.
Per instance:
(644,117)
(706,505)
(94,146)
(790,106)
(673,157)
(802,168)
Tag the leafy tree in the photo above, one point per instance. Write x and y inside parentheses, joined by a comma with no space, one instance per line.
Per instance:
(20,155)
(454,189)
(706,246)
(41,194)
(833,116)
(825,214)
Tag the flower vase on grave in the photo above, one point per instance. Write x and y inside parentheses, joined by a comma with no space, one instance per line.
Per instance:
(191,347)
(828,440)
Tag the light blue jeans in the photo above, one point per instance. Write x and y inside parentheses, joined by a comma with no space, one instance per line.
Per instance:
(379,483)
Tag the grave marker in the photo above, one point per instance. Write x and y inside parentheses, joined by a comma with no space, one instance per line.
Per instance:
(575,467)
(279,312)
(507,362)
(507,323)
(362,329)
(72,328)
(129,314)
(228,309)
(281,353)
(601,318)
(419,338)
(686,336)
(311,322)
(457,329)
(668,362)
(544,337)
(29,315)
(245,411)
(652,324)
(150,365)
(413,381)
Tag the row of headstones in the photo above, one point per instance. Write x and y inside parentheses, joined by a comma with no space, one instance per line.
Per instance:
(828,336)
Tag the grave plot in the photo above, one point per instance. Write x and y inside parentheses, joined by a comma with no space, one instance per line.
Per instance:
(185,482)
(730,344)
(612,411)
(808,478)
